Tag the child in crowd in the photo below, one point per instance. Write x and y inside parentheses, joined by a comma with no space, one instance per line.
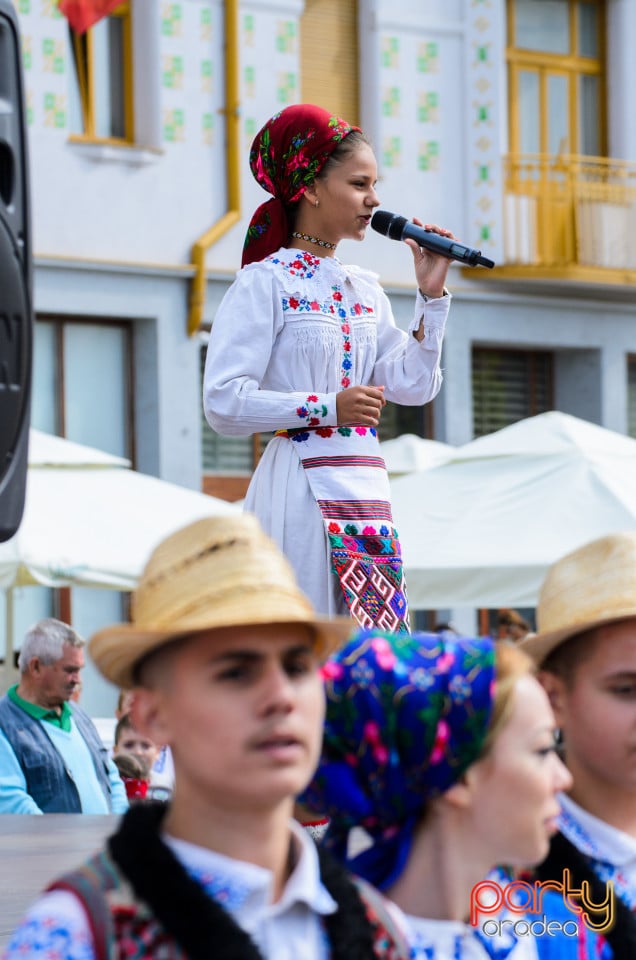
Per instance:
(161,766)
(129,741)
(135,774)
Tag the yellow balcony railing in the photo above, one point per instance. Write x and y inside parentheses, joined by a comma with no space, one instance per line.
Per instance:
(570,211)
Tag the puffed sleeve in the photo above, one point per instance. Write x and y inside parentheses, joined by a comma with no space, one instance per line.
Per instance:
(243,336)
(410,369)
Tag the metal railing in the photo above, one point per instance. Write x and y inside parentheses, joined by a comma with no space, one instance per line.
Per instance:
(569,210)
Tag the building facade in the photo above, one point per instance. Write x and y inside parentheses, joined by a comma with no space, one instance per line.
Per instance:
(505,120)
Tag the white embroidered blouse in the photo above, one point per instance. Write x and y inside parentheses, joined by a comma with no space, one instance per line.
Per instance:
(291,332)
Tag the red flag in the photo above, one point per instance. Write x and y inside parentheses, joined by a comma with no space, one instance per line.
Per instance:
(82,14)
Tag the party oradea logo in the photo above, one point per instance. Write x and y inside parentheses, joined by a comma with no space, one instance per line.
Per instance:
(526,913)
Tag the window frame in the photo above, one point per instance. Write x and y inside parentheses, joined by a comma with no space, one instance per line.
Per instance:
(533,407)
(59,322)
(83,55)
(631,395)
(573,64)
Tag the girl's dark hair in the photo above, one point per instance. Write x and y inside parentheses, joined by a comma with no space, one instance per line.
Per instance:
(344,150)
(340,153)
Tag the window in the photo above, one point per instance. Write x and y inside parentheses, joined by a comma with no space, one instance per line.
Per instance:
(101,96)
(631,396)
(557,76)
(82,383)
(509,385)
(329,56)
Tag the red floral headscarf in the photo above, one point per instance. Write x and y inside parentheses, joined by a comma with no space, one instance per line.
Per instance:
(286,156)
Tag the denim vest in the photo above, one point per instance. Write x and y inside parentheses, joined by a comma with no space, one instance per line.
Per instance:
(48,781)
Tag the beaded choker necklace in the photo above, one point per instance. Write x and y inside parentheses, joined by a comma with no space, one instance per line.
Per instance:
(316,240)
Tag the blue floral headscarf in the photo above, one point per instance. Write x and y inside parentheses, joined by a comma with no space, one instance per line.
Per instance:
(406,715)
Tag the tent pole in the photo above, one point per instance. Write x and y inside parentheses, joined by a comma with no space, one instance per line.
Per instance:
(8,643)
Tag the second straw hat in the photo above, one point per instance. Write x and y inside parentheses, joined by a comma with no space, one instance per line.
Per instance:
(586,588)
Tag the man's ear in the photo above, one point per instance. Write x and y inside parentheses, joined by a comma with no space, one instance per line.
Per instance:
(34,666)
(149,715)
(555,688)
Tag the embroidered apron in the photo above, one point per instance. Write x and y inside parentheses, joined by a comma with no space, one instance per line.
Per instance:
(348,478)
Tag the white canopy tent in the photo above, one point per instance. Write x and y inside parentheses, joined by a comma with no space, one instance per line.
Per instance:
(408,452)
(90,521)
(481,529)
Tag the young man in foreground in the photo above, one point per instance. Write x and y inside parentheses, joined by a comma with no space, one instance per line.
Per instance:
(224,654)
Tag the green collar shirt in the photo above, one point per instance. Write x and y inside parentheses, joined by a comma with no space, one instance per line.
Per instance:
(61,719)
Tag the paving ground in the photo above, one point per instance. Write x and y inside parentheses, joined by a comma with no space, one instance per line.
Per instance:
(34,850)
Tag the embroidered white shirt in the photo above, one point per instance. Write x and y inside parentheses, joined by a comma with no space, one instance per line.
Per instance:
(290,333)
(454,940)
(279,335)
(56,926)
(612,850)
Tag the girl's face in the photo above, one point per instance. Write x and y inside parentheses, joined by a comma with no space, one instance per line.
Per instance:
(514,787)
(346,198)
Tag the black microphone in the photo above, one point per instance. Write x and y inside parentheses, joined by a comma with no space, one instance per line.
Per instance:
(399,228)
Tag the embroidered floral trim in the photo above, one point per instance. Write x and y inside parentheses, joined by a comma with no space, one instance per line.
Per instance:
(353,530)
(304,265)
(226,890)
(345,329)
(312,411)
(303,305)
(326,432)
(576,834)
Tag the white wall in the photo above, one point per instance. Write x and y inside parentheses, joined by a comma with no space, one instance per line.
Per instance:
(143,204)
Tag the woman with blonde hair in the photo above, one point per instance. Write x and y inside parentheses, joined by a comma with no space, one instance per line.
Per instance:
(442,750)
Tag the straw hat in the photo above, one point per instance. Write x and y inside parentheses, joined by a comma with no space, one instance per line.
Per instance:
(593,585)
(216,572)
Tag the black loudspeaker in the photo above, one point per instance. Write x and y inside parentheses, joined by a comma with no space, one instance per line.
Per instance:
(16,319)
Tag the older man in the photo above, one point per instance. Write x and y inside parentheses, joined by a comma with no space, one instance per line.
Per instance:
(51,757)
